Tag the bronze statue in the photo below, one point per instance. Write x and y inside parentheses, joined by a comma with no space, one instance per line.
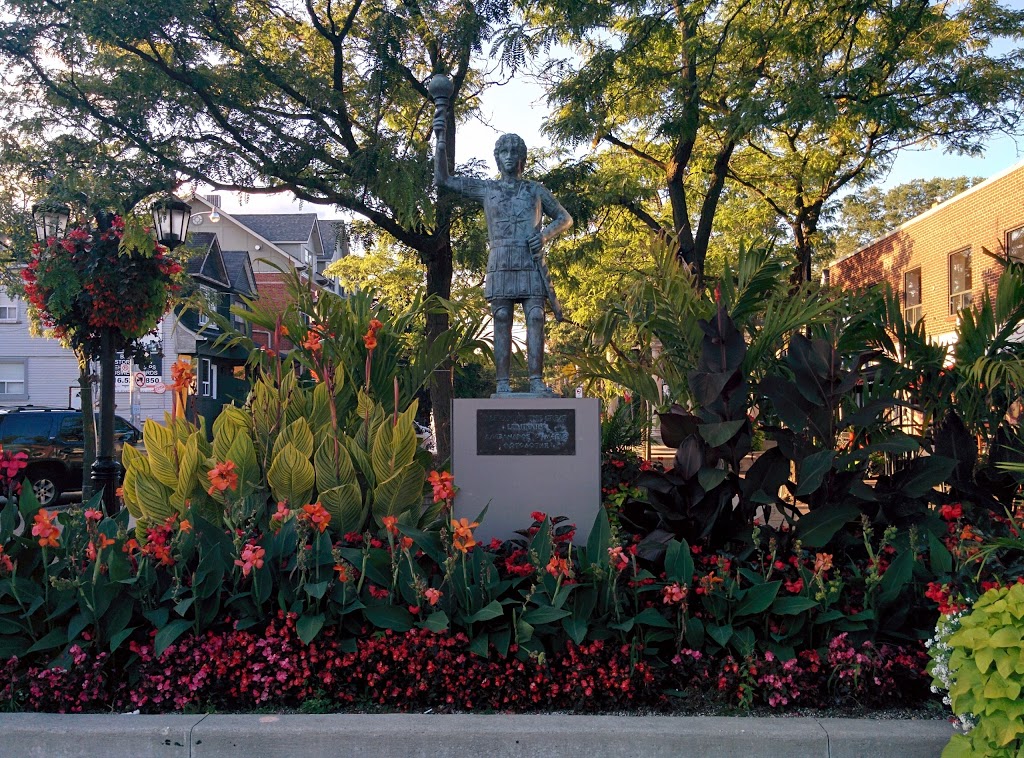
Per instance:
(516,270)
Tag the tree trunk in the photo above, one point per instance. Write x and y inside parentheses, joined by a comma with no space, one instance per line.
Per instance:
(88,426)
(439,282)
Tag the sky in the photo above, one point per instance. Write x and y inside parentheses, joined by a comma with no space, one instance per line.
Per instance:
(519,107)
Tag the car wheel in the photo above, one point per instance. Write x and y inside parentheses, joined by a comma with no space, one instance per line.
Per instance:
(46,487)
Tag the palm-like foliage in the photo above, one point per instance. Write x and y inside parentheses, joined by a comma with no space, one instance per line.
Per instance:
(652,330)
(403,359)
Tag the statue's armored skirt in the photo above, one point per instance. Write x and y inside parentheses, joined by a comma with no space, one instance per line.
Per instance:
(512,272)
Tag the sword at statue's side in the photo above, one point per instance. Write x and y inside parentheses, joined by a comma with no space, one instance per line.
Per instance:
(545,277)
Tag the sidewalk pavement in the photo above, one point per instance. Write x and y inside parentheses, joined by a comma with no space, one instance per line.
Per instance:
(32,735)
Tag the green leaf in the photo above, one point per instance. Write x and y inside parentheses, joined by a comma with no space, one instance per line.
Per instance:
(758,598)
(117,639)
(480,644)
(709,478)
(400,493)
(939,557)
(391,617)
(317,589)
(576,628)
(694,633)
(816,528)
(599,540)
(651,617)
(435,622)
(166,635)
(720,433)
(720,634)
(490,611)
(309,625)
(792,606)
(545,614)
(813,469)
(54,638)
(291,477)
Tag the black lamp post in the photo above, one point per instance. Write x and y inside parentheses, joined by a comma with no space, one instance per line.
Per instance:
(171,225)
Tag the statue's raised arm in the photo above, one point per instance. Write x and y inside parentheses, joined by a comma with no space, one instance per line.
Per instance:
(516,269)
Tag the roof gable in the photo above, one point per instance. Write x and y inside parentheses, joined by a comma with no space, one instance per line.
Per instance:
(279,227)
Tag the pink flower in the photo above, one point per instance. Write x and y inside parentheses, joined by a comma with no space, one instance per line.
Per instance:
(252,557)
(433,595)
(91,514)
(674,594)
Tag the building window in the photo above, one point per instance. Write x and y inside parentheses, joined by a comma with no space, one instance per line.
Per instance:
(207,378)
(960,283)
(912,296)
(12,379)
(1015,244)
(8,309)
(210,300)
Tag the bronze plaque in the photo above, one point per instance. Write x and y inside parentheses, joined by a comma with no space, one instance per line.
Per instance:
(509,431)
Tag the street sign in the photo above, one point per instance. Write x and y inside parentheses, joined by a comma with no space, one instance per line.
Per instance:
(140,379)
(159,388)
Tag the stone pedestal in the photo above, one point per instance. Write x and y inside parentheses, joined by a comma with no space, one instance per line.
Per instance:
(519,455)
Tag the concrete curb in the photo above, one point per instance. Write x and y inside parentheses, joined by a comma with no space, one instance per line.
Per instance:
(272,736)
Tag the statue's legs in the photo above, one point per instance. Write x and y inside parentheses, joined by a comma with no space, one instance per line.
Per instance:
(534,307)
(501,312)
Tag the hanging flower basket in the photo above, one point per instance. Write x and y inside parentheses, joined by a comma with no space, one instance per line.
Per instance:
(119,279)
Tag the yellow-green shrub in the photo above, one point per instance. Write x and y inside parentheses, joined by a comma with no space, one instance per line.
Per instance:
(986,675)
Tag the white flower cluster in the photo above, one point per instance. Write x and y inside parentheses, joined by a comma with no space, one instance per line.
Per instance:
(940,652)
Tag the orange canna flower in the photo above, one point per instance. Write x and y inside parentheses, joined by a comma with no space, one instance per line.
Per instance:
(223,477)
(822,562)
(433,595)
(182,374)
(674,594)
(462,537)
(312,342)
(45,529)
(185,526)
(316,515)
(342,571)
(406,543)
(104,541)
(391,524)
(370,340)
(558,566)
(444,485)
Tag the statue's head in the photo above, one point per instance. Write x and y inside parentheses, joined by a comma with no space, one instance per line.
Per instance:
(510,145)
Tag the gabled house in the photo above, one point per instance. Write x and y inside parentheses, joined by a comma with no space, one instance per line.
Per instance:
(221,279)
(276,243)
(231,260)
(937,261)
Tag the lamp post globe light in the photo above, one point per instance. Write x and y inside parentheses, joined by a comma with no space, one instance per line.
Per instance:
(170,221)
(51,219)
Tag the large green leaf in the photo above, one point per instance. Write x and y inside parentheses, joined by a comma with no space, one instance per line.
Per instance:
(291,477)
(389,617)
(758,598)
(401,493)
(720,433)
(345,504)
(154,498)
(394,447)
(816,528)
(813,469)
(243,454)
(333,465)
(161,449)
(297,434)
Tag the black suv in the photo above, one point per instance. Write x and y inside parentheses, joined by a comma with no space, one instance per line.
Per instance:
(54,440)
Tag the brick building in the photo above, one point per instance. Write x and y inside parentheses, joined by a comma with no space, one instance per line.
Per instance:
(937,261)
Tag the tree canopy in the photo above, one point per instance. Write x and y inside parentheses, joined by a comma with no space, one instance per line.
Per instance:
(325,99)
(791,99)
(866,215)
